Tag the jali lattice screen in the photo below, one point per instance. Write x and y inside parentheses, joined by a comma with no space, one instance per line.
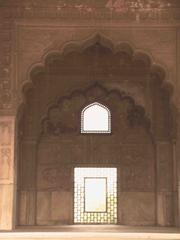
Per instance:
(95,195)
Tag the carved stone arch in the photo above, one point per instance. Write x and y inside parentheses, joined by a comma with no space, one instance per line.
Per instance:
(80,46)
(137,128)
(53,123)
(114,47)
(86,43)
(156,73)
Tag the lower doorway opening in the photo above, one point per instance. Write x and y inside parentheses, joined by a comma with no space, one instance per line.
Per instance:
(95,195)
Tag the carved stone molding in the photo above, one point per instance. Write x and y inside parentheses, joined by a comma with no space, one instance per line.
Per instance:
(5,161)
(19,12)
(5,133)
(6,42)
(64,115)
(51,177)
(129,61)
(119,60)
(6,149)
(126,11)
(129,58)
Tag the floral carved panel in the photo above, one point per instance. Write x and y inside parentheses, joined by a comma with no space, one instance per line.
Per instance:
(6,149)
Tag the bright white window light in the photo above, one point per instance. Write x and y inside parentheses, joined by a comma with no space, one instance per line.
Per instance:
(95,118)
(95,194)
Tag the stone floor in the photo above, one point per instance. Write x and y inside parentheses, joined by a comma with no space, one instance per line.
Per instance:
(93,232)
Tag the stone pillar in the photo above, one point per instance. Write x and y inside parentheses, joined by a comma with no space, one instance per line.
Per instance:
(178,171)
(164,184)
(7,172)
(27,183)
(178,123)
(175,183)
(179,199)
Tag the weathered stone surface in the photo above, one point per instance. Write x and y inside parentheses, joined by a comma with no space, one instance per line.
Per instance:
(137,208)
(63,213)
(6,206)
(61,147)
(7,171)
(165,208)
(6,149)
(54,208)
(58,57)
(164,166)
(43,207)
(26,206)
(54,176)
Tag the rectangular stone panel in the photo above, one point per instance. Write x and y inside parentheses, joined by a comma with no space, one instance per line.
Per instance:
(43,207)
(136,208)
(137,168)
(6,206)
(22,208)
(5,161)
(5,133)
(54,176)
(164,166)
(28,165)
(7,168)
(61,207)
(6,149)
(26,207)
(165,208)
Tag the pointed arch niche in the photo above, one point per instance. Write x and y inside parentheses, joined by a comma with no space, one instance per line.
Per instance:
(95,118)
(69,86)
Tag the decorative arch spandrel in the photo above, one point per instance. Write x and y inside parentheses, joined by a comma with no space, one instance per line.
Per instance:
(125,114)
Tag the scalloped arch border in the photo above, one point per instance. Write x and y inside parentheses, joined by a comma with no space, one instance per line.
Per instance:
(122,96)
(81,45)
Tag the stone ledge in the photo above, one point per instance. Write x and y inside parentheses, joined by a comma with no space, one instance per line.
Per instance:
(87,235)
(93,232)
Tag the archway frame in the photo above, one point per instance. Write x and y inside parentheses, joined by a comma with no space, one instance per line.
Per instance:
(155,68)
(79,47)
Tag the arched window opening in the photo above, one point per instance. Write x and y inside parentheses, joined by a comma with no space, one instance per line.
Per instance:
(95,118)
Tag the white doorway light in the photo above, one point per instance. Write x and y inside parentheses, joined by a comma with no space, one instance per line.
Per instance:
(95,195)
